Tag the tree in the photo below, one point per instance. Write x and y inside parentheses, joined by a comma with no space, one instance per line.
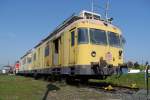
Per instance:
(130,64)
(136,65)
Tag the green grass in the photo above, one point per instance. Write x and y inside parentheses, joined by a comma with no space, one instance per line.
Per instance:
(21,88)
(126,80)
(24,88)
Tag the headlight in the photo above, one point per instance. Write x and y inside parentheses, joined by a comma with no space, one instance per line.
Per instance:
(93,54)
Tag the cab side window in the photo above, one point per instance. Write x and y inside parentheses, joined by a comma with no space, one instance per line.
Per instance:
(34,57)
(46,51)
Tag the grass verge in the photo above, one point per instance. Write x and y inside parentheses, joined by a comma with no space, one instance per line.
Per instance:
(126,80)
(21,88)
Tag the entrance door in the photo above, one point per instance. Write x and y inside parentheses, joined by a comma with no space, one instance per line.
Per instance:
(56,52)
(72,47)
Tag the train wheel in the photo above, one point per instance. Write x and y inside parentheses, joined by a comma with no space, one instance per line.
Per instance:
(84,80)
(35,76)
(69,80)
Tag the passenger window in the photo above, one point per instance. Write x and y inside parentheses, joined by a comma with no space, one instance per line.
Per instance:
(72,38)
(34,57)
(29,60)
(46,51)
(82,36)
(24,61)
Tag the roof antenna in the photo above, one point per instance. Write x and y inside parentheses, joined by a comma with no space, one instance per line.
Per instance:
(106,10)
(92,6)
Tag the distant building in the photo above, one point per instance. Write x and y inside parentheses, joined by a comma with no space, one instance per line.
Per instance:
(6,69)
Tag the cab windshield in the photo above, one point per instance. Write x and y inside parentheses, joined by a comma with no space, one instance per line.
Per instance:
(122,40)
(114,39)
(98,36)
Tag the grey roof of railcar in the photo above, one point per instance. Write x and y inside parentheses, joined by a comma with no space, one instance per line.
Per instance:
(65,23)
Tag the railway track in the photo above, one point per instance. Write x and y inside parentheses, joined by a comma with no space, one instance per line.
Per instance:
(103,88)
(120,92)
(106,87)
(98,86)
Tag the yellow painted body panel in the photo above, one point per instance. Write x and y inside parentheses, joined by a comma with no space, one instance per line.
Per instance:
(84,54)
(47,59)
(33,61)
(29,64)
(84,50)
(65,58)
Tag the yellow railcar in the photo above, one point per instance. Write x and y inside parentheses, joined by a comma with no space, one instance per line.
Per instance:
(26,62)
(82,45)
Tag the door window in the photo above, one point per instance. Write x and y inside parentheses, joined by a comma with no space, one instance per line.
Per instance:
(72,38)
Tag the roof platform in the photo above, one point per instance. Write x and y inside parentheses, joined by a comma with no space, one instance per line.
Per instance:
(83,15)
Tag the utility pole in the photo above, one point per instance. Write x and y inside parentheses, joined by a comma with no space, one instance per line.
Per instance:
(142,62)
(8,62)
(147,76)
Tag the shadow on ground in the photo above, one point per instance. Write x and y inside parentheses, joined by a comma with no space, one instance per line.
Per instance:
(50,87)
(89,84)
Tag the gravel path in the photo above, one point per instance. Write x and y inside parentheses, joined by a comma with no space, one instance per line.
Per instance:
(67,92)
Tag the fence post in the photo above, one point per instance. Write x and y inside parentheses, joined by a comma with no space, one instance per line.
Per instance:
(147,76)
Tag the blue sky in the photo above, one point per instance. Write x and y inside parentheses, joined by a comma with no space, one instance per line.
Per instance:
(23,23)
